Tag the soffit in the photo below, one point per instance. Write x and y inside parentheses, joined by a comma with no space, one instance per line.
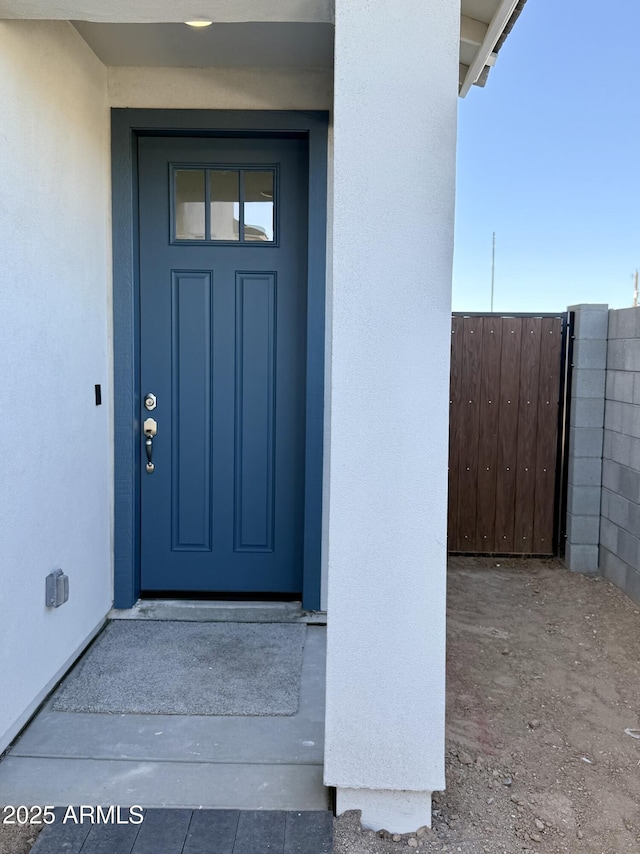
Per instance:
(480,10)
(172,11)
(259,45)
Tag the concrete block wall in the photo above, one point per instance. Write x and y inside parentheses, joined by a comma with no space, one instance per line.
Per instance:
(586,436)
(620,506)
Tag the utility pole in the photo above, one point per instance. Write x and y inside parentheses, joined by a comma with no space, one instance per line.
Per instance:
(635,291)
(493,271)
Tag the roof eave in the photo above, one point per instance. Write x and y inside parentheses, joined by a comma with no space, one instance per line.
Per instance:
(502,23)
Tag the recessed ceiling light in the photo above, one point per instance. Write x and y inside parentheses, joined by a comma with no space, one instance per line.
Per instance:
(198,24)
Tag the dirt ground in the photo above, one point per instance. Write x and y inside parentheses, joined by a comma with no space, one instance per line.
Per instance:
(543,681)
(16,839)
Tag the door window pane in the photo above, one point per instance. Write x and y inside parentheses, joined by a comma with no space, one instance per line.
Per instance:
(225,204)
(258,205)
(189,215)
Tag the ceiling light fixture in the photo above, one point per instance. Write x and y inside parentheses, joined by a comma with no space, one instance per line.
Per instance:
(199,23)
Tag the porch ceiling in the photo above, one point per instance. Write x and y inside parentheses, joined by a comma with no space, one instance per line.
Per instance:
(169,11)
(260,45)
(151,32)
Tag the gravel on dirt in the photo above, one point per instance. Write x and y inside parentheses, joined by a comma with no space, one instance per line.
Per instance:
(17,839)
(543,679)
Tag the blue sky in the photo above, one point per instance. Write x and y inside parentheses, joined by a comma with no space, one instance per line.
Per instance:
(549,159)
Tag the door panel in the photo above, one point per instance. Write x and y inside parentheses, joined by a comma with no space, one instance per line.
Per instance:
(191,394)
(254,446)
(222,346)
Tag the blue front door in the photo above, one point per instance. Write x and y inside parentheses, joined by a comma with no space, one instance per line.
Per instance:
(223,270)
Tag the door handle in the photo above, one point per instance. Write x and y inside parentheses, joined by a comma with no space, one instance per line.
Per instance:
(150,429)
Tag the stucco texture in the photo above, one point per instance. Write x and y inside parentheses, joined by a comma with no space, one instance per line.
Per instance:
(149,11)
(393,205)
(55,457)
(220,88)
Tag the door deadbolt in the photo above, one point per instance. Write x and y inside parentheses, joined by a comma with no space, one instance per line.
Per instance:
(150,402)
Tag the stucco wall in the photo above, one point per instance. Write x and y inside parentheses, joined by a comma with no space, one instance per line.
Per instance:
(393,206)
(220,88)
(55,457)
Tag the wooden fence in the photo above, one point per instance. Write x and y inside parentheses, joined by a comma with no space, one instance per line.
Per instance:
(506,400)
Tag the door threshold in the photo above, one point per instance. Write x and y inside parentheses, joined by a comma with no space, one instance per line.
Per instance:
(222,611)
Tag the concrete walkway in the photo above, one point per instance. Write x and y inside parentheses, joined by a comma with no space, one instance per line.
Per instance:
(194,832)
(177,761)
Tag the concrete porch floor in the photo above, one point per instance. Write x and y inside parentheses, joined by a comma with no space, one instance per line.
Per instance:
(177,761)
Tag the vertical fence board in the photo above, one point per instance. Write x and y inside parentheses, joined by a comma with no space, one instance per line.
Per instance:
(469,418)
(489,412)
(547,447)
(454,431)
(507,434)
(527,435)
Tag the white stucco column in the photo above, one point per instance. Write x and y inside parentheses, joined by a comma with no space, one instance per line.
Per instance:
(396,68)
